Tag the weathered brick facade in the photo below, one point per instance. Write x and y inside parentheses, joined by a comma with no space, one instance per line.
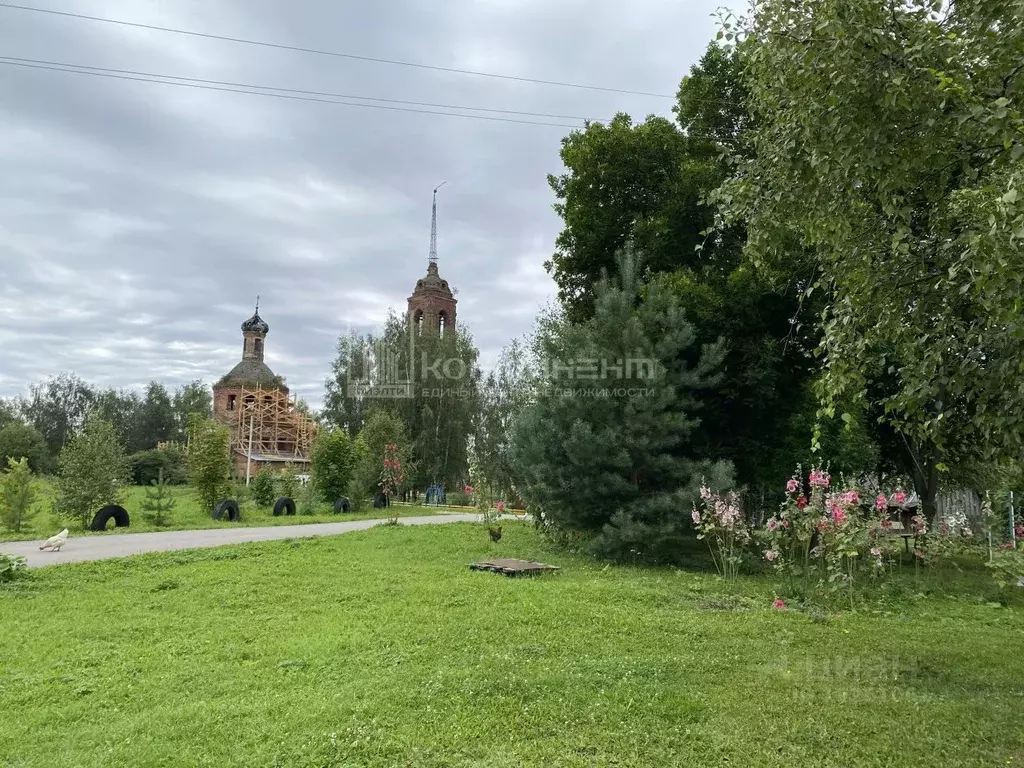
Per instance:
(432,302)
(251,392)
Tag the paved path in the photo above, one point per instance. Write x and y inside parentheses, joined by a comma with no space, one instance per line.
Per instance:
(82,548)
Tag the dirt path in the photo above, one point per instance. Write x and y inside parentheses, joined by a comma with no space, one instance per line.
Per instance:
(84,548)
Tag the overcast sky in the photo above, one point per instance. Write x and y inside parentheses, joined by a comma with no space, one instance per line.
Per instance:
(139,221)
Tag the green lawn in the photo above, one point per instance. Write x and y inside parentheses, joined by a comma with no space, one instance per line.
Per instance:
(380,648)
(188,514)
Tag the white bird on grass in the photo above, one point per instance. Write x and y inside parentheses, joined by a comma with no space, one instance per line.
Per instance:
(55,542)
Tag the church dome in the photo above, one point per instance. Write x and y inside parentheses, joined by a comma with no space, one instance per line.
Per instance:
(255,324)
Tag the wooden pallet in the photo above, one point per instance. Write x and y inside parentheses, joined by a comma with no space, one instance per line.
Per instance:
(511,567)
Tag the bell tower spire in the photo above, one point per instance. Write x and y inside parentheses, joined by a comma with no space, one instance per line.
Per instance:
(432,257)
(432,303)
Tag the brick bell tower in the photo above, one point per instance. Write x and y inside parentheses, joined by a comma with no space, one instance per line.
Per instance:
(432,304)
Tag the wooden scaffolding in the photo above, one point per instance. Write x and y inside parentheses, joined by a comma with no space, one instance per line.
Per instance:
(268,426)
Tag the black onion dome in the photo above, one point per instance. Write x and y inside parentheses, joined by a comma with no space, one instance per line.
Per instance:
(255,323)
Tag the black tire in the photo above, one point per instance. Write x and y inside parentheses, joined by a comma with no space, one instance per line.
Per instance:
(118,513)
(342,505)
(284,505)
(226,510)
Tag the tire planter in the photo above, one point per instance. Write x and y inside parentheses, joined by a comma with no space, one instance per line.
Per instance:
(380,501)
(226,510)
(284,505)
(342,505)
(118,513)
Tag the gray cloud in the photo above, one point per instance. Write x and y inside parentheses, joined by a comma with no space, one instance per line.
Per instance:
(138,221)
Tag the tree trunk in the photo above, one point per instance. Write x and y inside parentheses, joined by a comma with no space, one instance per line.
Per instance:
(926,479)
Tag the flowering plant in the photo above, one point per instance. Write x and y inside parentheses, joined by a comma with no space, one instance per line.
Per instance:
(821,539)
(719,521)
(391,475)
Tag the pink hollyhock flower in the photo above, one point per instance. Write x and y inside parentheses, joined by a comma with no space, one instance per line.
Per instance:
(822,524)
(792,485)
(851,498)
(801,502)
(772,524)
(899,497)
(468,489)
(838,516)
(500,506)
(887,523)
(778,605)
(770,554)
(1019,531)
(785,523)
(881,502)
(705,492)
(695,516)
(819,479)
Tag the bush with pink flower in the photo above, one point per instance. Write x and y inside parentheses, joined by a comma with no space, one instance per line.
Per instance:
(824,540)
(719,521)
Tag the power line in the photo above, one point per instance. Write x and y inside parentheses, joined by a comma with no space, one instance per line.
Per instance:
(75,67)
(320,52)
(281,95)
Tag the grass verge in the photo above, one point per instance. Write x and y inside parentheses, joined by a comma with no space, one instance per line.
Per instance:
(381,648)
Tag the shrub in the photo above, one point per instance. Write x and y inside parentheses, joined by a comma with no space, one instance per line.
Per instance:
(308,501)
(146,466)
(261,488)
(288,482)
(16,495)
(11,567)
(92,471)
(209,461)
(333,463)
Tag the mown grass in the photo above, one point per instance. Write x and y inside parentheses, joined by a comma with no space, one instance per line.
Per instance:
(188,514)
(381,648)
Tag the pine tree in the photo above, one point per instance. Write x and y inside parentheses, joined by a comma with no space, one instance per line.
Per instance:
(158,501)
(605,448)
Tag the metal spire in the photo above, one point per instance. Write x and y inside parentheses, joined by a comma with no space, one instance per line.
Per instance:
(257,304)
(432,258)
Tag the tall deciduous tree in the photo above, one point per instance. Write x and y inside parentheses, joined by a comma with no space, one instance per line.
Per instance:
(57,408)
(343,407)
(21,441)
(157,422)
(122,408)
(192,398)
(890,140)
(92,471)
(619,465)
(505,393)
